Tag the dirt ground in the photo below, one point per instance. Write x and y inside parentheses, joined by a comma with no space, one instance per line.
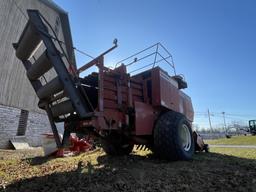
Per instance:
(24,171)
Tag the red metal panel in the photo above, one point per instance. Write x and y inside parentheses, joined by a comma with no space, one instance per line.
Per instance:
(110,104)
(165,90)
(113,87)
(109,94)
(114,118)
(156,97)
(145,118)
(187,110)
(137,92)
(165,93)
(108,84)
(109,78)
(137,98)
(136,86)
(169,92)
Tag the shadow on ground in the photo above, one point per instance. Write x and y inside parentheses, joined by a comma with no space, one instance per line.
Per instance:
(207,172)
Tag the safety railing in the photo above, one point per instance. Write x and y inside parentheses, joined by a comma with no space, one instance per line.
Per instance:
(154,54)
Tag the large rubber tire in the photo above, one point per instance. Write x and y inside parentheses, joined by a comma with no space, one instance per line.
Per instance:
(169,137)
(116,146)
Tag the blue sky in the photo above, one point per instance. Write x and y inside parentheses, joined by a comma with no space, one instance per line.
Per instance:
(213,43)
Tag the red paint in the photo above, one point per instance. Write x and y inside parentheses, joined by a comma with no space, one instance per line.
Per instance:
(144,118)
(132,104)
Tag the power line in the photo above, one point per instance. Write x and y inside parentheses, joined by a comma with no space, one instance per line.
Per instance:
(226,114)
(240,115)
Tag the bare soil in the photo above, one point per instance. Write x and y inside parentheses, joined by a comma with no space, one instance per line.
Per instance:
(25,171)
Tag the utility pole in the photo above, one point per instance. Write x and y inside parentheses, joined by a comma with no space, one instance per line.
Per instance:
(224,120)
(210,122)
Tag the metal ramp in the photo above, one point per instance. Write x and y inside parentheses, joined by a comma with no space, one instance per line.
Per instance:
(61,96)
(19,142)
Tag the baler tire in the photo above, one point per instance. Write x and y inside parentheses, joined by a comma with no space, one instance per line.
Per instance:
(116,149)
(167,139)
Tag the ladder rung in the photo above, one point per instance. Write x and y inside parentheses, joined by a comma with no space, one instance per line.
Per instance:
(41,66)
(49,89)
(28,41)
(62,108)
(59,96)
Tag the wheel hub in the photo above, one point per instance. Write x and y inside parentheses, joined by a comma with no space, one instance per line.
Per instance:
(185,137)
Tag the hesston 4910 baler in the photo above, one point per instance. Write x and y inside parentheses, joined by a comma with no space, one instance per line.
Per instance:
(147,108)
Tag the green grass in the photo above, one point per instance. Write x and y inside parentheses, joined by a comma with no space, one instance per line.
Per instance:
(236,140)
(237,152)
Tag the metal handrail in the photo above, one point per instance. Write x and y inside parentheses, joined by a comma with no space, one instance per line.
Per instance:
(137,60)
(155,53)
(135,54)
(149,64)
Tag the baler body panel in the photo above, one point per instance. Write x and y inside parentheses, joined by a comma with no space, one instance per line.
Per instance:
(144,118)
(104,101)
(161,91)
(165,93)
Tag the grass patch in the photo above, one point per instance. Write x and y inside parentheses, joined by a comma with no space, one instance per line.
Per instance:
(237,152)
(236,140)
